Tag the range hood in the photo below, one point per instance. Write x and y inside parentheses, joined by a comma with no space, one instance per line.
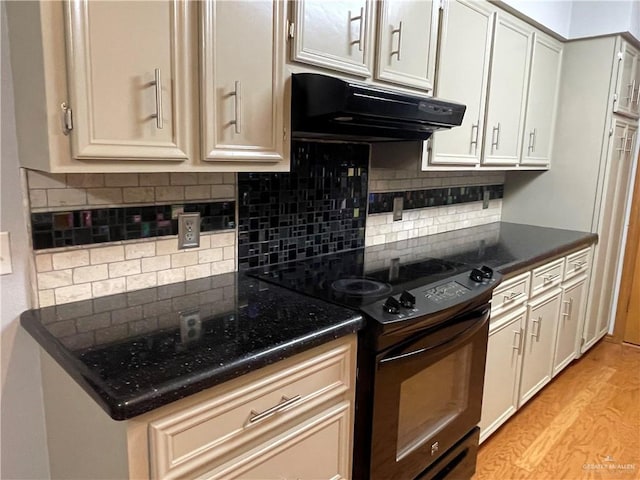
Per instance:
(326,107)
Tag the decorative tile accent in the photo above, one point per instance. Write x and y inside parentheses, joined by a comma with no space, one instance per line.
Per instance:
(318,208)
(433,197)
(84,227)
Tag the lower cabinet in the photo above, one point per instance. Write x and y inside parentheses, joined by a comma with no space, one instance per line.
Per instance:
(292,419)
(537,323)
(571,312)
(539,344)
(504,360)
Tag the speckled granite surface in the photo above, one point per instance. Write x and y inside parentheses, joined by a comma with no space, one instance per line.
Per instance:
(132,352)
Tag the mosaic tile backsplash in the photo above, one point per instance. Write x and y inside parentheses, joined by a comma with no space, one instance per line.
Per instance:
(317,208)
(433,197)
(84,227)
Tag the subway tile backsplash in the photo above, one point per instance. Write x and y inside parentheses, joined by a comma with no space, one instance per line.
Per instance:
(317,208)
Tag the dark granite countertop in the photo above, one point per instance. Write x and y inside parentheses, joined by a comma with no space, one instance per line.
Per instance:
(507,247)
(133,352)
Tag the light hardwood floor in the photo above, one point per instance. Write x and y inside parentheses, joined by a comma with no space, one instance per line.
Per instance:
(584,425)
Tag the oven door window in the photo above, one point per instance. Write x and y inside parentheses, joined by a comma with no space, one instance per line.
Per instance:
(432,399)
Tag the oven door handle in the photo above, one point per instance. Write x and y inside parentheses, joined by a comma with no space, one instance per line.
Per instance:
(458,332)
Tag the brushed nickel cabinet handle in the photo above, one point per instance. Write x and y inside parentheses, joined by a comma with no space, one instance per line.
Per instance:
(495,133)
(518,336)
(399,32)
(536,327)
(158,85)
(567,310)
(512,296)
(284,403)
(474,141)
(360,28)
(237,94)
(550,278)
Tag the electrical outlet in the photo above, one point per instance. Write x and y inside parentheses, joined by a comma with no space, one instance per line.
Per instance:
(190,326)
(188,230)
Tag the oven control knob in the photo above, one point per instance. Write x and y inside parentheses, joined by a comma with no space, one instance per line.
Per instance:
(407,300)
(391,306)
(486,272)
(476,275)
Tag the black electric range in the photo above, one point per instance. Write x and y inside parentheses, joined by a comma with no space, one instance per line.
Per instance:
(427,323)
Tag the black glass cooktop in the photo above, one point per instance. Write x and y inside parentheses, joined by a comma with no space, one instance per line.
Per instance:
(356,277)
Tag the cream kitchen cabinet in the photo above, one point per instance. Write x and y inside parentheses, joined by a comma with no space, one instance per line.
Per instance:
(502,375)
(572,312)
(130,89)
(291,419)
(542,100)
(407,41)
(334,35)
(342,36)
(128,99)
(507,96)
(627,96)
(463,73)
(242,82)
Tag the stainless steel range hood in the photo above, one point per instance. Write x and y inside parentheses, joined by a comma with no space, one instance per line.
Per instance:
(330,108)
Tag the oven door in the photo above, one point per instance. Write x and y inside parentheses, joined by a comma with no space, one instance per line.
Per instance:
(428,395)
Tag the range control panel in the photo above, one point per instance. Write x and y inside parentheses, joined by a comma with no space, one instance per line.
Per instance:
(433,298)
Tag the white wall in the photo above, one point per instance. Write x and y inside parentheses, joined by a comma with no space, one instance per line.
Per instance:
(582,18)
(23,446)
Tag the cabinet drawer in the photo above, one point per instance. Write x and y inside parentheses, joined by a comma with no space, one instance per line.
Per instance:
(546,277)
(577,263)
(230,422)
(511,293)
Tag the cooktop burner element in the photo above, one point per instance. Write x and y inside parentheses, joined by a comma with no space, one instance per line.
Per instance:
(361,287)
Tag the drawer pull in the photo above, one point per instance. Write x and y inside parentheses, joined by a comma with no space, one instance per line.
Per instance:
(518,345)
(579,265)
(157,83)
(512,296)
(551,278)
(569,304)
(284,403)
(536,327)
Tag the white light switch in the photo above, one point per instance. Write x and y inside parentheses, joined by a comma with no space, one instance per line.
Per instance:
(5,254)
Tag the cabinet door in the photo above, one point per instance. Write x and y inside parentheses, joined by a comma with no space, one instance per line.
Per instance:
(463,71)
(130,87)
(333,34)
(242,89)
(539,344)
(504,358)
(628,86)
(316,448)
(571,313)
(544,83)
(407,37)
(610,229)
(507,91)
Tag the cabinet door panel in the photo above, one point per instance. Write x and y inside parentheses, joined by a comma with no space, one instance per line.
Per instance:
(242,83)
(507,92)
(504,357)
(316,448)
(571,313)
(462,76)
(627,86)
(539,344)
(112,65)
(407,36)
(541,102)
(333,34)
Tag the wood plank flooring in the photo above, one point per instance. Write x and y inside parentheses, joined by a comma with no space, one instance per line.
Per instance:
(584,425)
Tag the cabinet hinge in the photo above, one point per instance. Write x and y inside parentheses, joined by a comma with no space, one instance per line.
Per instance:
(284,134)
(620,56)
(67,118)
(441,7)
(581,341)
(291,29)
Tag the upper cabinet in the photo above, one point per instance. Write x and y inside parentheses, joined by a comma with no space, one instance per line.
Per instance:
(542,101)
(130,89)
(507,73)
(341,36)
(407,40)
(333,35)
(463,72)
(507,91)
(164,85)
(242,81)
(627,94)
